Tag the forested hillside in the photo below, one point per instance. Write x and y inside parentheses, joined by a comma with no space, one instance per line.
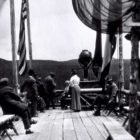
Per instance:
(62,70)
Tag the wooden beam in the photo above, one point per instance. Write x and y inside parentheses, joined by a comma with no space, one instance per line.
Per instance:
(134,82)
(133,24)
(91,89)
(13,44)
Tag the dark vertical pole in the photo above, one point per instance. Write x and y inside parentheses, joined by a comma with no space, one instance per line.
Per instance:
(134,72)
(121,64)
(133,82)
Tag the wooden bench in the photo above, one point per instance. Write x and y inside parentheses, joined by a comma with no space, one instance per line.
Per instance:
(95,90)
(6,122)
(127,110)
(89,94)
(116,131)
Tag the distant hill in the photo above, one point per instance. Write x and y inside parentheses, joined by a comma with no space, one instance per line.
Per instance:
(62,70)
(6,69)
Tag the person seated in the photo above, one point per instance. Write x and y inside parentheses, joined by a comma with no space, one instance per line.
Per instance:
(65,95)
(108,98)
(11,103)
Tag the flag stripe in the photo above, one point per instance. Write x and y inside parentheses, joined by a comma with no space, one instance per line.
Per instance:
(22,70)
(22,58)
(22,46)
(24,9)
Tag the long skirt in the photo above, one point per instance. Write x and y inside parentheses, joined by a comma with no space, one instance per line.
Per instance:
(76,103)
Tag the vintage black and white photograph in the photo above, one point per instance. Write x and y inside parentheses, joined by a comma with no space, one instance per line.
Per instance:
(69,70)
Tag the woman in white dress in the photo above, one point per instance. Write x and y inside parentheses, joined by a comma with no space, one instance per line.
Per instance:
(75,91)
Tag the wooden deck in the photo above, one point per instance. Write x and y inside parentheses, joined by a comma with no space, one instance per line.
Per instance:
(64,125)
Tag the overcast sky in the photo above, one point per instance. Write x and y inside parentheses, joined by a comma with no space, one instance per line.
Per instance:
(56,31)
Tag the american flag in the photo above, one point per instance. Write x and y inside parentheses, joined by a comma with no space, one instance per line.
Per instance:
(22,45)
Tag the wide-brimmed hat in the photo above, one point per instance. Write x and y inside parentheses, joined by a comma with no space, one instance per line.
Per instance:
(73,71)
(31,72)
(4,81)
(67,82)
(109,80)
(52,74)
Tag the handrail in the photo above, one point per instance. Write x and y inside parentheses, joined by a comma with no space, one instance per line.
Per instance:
(91,89)
(84,90)
(127,92)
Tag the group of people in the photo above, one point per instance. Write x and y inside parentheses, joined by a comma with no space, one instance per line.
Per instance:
(39,93)
(34,96)
(108,98)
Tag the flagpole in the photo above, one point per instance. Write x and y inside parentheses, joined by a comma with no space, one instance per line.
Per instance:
(13,43)
(134,70)
(29,36)
(121,64)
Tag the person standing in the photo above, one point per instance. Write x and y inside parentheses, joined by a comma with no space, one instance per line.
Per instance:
(42,95)
(30,86)
(75,91)
(50,89)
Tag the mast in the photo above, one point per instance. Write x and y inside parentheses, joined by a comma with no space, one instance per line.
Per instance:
(13,43)
(134,81)
(121,63)
(121,66)
(29,36)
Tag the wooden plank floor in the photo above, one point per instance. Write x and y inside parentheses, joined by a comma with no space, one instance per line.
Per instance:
(64,125)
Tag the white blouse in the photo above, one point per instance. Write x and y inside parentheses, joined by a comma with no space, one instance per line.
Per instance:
(74,80)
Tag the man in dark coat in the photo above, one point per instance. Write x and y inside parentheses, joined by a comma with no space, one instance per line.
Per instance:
(30,86)
(50,88)
(108,98)
(11,104)
(42,93)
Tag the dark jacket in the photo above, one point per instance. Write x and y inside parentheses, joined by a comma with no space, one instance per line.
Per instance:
(49,84)
(30,87)
(11,102)
(41,89)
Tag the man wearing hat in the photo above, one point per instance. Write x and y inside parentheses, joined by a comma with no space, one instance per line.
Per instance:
(108,98)
(50,89)
(11,104)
